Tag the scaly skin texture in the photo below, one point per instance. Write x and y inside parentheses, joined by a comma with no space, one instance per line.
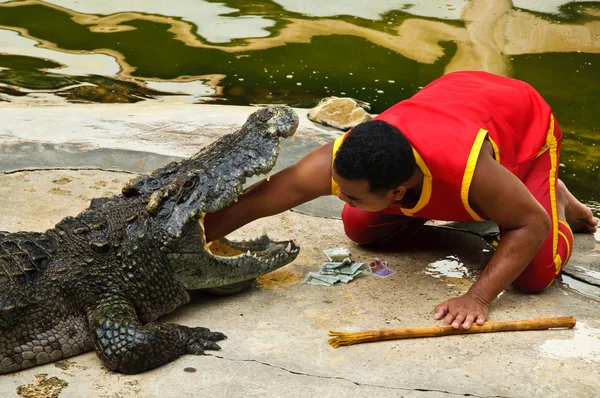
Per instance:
(101,279)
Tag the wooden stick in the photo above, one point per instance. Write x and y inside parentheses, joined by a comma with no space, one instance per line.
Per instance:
(348,338)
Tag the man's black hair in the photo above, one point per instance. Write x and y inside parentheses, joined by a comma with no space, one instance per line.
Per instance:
(377,152)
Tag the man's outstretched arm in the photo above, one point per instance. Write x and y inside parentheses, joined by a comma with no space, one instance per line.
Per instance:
(503,198)
(304,181)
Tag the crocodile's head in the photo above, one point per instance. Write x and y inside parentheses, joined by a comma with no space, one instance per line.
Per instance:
(180,194)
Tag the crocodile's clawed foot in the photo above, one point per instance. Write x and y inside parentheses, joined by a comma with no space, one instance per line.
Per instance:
(202,339)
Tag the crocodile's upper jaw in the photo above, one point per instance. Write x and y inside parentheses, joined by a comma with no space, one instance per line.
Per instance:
(212,180)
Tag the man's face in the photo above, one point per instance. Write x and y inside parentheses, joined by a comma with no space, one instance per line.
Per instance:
(357,194)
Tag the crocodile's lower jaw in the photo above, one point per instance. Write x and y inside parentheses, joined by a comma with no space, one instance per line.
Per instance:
(224,262)
(262,249)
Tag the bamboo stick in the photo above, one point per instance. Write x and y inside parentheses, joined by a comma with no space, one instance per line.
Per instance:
(339,339)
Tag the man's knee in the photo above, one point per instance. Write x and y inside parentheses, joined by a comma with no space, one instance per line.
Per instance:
(360,237)
(545,267)
(536,283)
(364,227)
(539,274)
(357,225)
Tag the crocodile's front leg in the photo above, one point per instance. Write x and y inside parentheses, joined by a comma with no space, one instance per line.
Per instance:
(125,345)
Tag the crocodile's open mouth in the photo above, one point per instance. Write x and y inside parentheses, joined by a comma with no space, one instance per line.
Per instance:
(212,180)
(227,267)
(262,250)
(262,253)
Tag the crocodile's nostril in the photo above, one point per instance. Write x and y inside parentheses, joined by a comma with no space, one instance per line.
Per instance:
(265,114)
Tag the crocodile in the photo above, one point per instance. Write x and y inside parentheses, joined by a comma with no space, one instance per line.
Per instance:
(99,280)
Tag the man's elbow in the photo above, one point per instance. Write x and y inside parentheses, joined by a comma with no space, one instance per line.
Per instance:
(542,224)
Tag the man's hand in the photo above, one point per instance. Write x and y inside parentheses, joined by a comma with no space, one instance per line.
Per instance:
(463,310)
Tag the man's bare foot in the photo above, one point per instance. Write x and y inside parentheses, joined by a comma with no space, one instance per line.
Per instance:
(579,217)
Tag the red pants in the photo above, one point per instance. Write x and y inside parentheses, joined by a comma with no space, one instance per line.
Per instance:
(541,180)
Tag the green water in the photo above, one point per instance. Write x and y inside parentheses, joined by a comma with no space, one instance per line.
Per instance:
(300,74)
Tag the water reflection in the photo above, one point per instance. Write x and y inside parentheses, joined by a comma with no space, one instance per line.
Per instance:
(209,20)
(210,41)
(298,51)
(375,9)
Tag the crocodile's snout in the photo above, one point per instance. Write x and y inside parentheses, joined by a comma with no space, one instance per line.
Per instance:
(286,121)
(282,120)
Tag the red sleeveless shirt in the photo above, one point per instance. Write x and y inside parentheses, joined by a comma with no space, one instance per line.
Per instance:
(446,124)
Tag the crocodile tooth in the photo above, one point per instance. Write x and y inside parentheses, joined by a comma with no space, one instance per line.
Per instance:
(288,247)
(268,176)
(248,253)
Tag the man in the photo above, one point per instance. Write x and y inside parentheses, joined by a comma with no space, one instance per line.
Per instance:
(468,146)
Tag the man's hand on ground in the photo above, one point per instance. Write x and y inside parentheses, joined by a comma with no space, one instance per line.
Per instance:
(463,310)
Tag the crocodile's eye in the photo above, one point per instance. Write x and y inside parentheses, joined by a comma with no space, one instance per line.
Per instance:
(189,183)
(152,183)
(265,114)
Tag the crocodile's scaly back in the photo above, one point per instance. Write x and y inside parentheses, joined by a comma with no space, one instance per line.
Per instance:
(23,258)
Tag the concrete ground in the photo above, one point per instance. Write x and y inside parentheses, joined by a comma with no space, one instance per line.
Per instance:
(54,159)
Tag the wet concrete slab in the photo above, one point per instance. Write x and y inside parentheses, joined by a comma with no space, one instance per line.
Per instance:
(277,330)
(585,261)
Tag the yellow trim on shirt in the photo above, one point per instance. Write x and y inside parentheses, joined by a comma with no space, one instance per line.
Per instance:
(336,146)
(469,171)
(496,150)
(425,191)
(542,150)
(552,145)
